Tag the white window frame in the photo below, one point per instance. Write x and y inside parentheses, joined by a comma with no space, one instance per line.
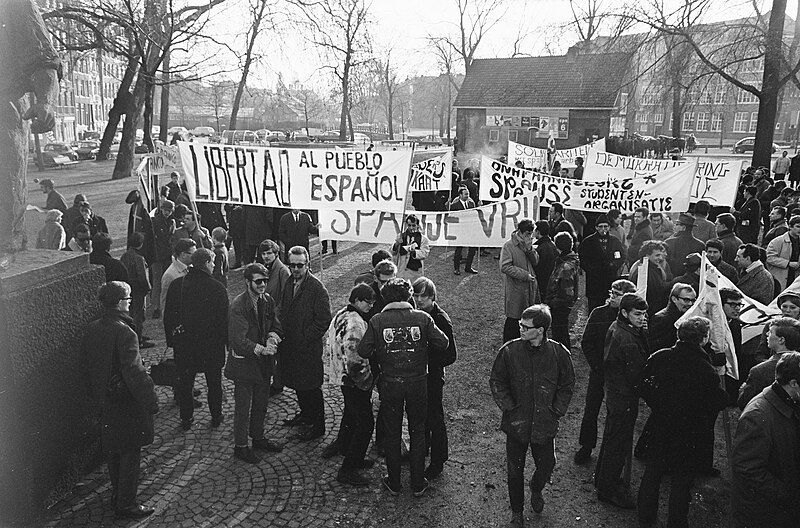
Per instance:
(512,135)
(494,135)
(740,120)
(753,122)
(687,121)
(716,122)
(702,121)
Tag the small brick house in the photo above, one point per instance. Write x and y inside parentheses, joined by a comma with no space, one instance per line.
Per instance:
(574,96)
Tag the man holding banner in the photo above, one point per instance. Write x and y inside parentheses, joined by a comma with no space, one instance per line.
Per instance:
(411,247)
(463,203)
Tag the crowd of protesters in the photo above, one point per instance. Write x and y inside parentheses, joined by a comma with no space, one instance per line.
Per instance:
(393,337)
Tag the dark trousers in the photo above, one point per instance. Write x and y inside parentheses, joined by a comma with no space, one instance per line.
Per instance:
(123,468)
(621,412)
(186,386)
(594,400)
(510,329)
(249,254)
(560,325)
(544,457)
(356,429)
(312,407)
(457,257)
(275,364)
(137,312)
(239,252)
(413,396)
(435,428)
(333,246)
(250,409)
(679,496)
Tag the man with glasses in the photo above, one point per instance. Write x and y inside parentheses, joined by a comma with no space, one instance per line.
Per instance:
(253,334)
(732,304)
(594,336)
(412,248)
(532,381)
(518,260)
(661,331)
(305,314)
(601,256)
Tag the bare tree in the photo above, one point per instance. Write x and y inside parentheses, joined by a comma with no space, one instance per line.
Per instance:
(475,19)
(390,86)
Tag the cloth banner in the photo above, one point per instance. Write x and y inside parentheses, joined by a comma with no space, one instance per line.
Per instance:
(709,305)
(660,191)
(165,159)
(485,226)
(536,158)
(148,185)
(432,174)
(297,178)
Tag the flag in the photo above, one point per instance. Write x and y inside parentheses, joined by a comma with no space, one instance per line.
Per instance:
(148,185)
(709,305)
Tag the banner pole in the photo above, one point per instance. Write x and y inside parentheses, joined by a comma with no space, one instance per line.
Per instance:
(405,198)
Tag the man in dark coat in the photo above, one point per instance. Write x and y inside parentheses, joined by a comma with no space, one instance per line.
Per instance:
(558,223)
(257,226)
(755,281)
(115,270)
(681,244)
(783,337)
(95,223)
(657,278)
(72,215)
(305,314)
(725,225)
(749,217)
(111,358)
(714,249)
(211,215)
(196,327)
(592,342)
(601,256)
(548,253)
(294,229)
(463,203)
(237,233)
(661,331)
(639,233)
(139,221)
(764,465)
(254,333)
(55,200)
(682,390)
(163,229)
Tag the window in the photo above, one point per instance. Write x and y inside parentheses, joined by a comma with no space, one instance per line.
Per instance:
(512,135)
(716,122)
(740,121)
(643,127)
(658,119)
(688,121)
(671,120)
(705,97)
(745,97)
(719,94)
(623,103)
(494,135)
(753,121)
(645,117)
(702,121)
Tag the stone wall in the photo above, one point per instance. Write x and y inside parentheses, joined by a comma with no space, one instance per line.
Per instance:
(46,437)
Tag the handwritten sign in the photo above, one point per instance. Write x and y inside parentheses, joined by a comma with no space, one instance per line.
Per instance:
(165,159)
(297,178)
(432,174)
(535,158)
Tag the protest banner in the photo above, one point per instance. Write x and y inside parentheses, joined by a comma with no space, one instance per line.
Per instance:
(297,178)
(532,157)
(165,159)
(485,226)
(665,191)
(432,174)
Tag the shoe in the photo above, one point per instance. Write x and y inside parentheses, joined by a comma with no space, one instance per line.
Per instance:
(197,403)
(516,520)
(472,271)
(157,313)
(352,478)
(246,454)
(583,455)
(710,471)
(457,272)
(537,501)
(266,444)
(433,471)
(621,499)
(366,463)
(425,485)
(133,512)
(298,419)
(388,487)
(274,390)
(216,421)
(310,434)
(187,424)
(331,450)
(146,344)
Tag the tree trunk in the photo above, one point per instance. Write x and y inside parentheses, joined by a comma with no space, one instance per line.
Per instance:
(248,61)
(125,158)
(149,93)
(345,99)
(770,86)
(121,102)
(163,118)
(676,110)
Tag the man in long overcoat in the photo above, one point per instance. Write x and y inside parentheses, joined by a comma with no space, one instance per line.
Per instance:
(518,260)
(196,327)
(111,351)
(305,314)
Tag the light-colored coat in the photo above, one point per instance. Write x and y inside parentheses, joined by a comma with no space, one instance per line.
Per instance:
(519,277)
(779,251)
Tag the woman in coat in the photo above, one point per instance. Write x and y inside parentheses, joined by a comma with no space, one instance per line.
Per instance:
(52,235)
(120,387)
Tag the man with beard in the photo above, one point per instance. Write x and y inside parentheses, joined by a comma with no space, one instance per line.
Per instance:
(601,256)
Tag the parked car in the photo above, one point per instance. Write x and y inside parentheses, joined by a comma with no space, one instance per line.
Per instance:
(203,131)
(747,144)
(183,133)
(87,150)
(60,149)
(361,139)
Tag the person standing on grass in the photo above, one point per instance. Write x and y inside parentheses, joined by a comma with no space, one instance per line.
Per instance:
(518,260)
(532,381)
(411,248)
(594,335)
(601,256)
(562,289)
(55,200)
(463,203)
(254,333)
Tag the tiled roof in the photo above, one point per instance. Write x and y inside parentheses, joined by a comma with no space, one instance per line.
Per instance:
(579,81)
